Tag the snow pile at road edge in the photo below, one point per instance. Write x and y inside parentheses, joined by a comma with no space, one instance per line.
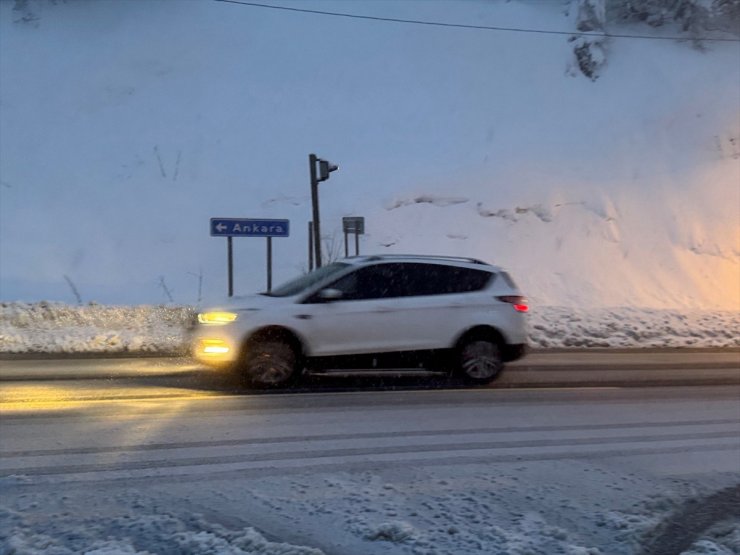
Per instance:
(47,327)
(60,328)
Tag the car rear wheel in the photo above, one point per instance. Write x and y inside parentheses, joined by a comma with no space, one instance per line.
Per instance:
(270,363)
(479,360)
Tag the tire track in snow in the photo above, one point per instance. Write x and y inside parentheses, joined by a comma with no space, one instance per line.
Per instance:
(353,452)
(361,435)
(203,473)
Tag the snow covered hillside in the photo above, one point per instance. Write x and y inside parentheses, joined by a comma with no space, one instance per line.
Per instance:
(125,126)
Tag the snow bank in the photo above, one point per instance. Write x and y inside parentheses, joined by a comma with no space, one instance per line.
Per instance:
(60,328)
(632,327)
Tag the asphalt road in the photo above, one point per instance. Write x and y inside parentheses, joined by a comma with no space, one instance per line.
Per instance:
(297,464)
(120,437)
(79,380)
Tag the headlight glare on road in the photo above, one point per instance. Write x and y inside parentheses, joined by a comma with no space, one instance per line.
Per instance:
(217,318)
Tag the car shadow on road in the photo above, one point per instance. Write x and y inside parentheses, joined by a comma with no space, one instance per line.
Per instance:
(330,382)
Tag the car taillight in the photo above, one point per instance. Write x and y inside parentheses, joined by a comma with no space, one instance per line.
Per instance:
(517,301)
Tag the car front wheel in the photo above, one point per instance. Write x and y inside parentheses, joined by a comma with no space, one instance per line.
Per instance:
(480,360)
(270,364)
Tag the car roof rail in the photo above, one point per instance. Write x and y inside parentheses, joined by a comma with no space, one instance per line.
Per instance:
(424,257)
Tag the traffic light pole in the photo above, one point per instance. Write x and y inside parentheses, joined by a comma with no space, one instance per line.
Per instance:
(312,159)
(310,246)
(325,168)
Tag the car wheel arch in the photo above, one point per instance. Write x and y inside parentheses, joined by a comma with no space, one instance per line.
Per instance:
(486,331)
(276,333)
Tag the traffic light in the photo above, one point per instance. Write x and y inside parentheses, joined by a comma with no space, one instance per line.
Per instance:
(325,168)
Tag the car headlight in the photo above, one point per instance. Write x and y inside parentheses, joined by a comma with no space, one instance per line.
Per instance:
(217,318)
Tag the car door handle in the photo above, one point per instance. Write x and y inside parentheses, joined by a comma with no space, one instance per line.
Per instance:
(303,316)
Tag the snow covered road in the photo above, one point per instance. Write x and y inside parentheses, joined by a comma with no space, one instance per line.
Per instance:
(367,472)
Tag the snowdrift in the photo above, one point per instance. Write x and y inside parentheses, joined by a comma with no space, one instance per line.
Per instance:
(60,328)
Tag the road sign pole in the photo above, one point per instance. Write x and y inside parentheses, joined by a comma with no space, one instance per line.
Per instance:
(346,244)
(230,264)
(269,264)
(356,226)
(248,227)
(315,205)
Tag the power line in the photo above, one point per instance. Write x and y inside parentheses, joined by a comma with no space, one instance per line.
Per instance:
(468,26)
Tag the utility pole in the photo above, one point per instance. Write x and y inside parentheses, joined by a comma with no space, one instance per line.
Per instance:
(324,169)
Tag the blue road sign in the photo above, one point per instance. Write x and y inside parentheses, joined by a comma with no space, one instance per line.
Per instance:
(248,227)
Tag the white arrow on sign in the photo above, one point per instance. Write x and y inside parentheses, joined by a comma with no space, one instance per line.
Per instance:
(220,227)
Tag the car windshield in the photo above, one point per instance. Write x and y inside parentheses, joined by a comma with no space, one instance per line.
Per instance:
(301,283)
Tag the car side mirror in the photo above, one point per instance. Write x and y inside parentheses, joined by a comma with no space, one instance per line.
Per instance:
(330,295)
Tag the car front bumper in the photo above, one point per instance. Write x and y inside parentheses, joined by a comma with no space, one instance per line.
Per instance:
(214,346)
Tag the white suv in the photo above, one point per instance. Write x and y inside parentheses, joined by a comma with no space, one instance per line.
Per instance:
(439,313)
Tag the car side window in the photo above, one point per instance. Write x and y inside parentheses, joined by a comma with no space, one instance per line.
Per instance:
(380,281)
(468,280)
(438,279)
(385,281)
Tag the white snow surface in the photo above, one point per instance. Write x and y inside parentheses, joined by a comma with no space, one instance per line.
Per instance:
(61,328)
(525,509)
(160,533)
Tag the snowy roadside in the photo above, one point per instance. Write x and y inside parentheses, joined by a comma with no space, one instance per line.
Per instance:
(523,508)
(46,327)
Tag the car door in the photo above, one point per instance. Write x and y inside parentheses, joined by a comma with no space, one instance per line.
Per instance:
(437,303)
(364,320)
